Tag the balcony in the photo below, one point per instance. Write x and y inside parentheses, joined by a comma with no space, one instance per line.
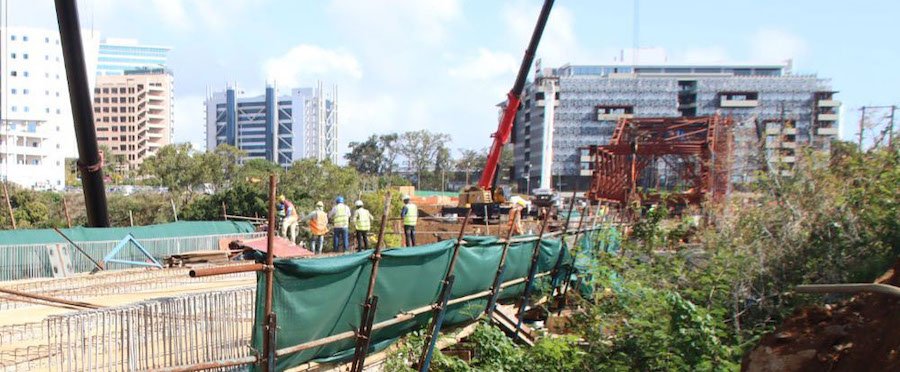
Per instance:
(829,103)
(541,103)
(777,131)
(735,103)
(787,159)
(587,172)
(586,159)
(827,131)
(614,116)
(828,117)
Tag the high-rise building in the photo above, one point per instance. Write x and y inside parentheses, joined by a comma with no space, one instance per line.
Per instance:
(119,55)
(279,128)
(36,130)
(575,106)
(133,114)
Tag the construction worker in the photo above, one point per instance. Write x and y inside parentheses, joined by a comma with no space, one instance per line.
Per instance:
(340,219)
(410,215)
(318,226)
(515,214)
(362,222)
(290,219)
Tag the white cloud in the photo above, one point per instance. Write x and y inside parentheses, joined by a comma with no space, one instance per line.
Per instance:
(486,65)
(173,13)
(558,45)
(190,121)
(422,20)
(306,63)
(775,45)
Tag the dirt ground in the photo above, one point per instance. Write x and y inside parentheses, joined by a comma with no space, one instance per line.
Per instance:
(860,334)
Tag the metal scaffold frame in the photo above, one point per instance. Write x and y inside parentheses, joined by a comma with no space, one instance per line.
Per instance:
(687,157)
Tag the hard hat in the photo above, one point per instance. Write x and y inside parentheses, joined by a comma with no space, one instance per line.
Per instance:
(359,203)
(339,199)
(320,204)
(405,197)
(281,197)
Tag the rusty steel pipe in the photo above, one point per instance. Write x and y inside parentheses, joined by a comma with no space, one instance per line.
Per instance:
(270,277)
(222,270)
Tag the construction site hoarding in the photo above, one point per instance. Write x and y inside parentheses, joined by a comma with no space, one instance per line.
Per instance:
(315,299)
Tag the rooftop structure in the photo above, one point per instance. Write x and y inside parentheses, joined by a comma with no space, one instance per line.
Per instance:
(119,55)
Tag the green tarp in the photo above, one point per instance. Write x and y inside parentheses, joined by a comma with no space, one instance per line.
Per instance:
(316,298)
(91,234)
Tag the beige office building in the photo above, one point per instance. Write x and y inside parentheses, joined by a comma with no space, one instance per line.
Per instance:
(134,115)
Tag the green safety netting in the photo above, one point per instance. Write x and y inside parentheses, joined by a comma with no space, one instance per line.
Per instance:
(606,239)
(92,234)
(316,298)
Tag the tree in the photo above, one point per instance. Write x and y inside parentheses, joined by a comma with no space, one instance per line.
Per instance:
(389,144)
(421,149)
(366,157)
(469,160)
(218,166)
(173,167)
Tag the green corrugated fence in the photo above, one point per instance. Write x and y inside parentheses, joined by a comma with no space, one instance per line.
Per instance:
(24,253)
(314,299)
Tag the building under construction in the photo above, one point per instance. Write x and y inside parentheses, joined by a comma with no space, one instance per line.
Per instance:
(773,109)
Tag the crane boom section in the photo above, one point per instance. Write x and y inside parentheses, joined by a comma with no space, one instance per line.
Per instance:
(513,100)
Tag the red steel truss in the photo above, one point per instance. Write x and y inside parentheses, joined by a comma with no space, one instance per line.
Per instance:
(686,158)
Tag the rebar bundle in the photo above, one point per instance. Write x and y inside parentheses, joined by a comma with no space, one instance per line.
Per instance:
(149,335)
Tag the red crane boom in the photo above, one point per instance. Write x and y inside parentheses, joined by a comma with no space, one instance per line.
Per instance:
(513,99)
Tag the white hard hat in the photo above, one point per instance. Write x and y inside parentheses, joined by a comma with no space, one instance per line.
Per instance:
(405,197)
(359,203)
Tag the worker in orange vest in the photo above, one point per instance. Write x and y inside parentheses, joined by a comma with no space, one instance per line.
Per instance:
(318,226)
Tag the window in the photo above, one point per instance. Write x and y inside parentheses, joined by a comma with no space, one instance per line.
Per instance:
(26,109)
(46,92)
(25,38)
(47,75)
(25,73)
(32,128)
(13,91)
(105,90)
(24,91)
(24,55)
(46,57)
(12,55)
(12,37)
(13,73)
(57,111)
(96,90)
(47,40)
(57,93)
(47,110)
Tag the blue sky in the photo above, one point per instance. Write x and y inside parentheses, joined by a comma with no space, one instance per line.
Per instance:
(443,64)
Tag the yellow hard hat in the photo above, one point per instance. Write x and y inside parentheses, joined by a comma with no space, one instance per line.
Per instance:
(281,197)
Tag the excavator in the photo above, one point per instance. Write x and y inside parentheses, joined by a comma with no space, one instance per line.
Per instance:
(486,198)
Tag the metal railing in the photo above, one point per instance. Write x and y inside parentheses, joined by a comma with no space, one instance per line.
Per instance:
(26,261)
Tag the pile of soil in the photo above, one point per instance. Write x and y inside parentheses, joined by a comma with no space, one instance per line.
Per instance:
(860,334)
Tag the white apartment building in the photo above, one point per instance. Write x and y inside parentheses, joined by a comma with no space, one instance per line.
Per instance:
(36,129)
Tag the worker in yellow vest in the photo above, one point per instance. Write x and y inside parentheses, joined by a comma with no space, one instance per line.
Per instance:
(362,222)
(410,215)
(340,219)
(318,226)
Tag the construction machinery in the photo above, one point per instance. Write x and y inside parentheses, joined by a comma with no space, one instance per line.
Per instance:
(486,198)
